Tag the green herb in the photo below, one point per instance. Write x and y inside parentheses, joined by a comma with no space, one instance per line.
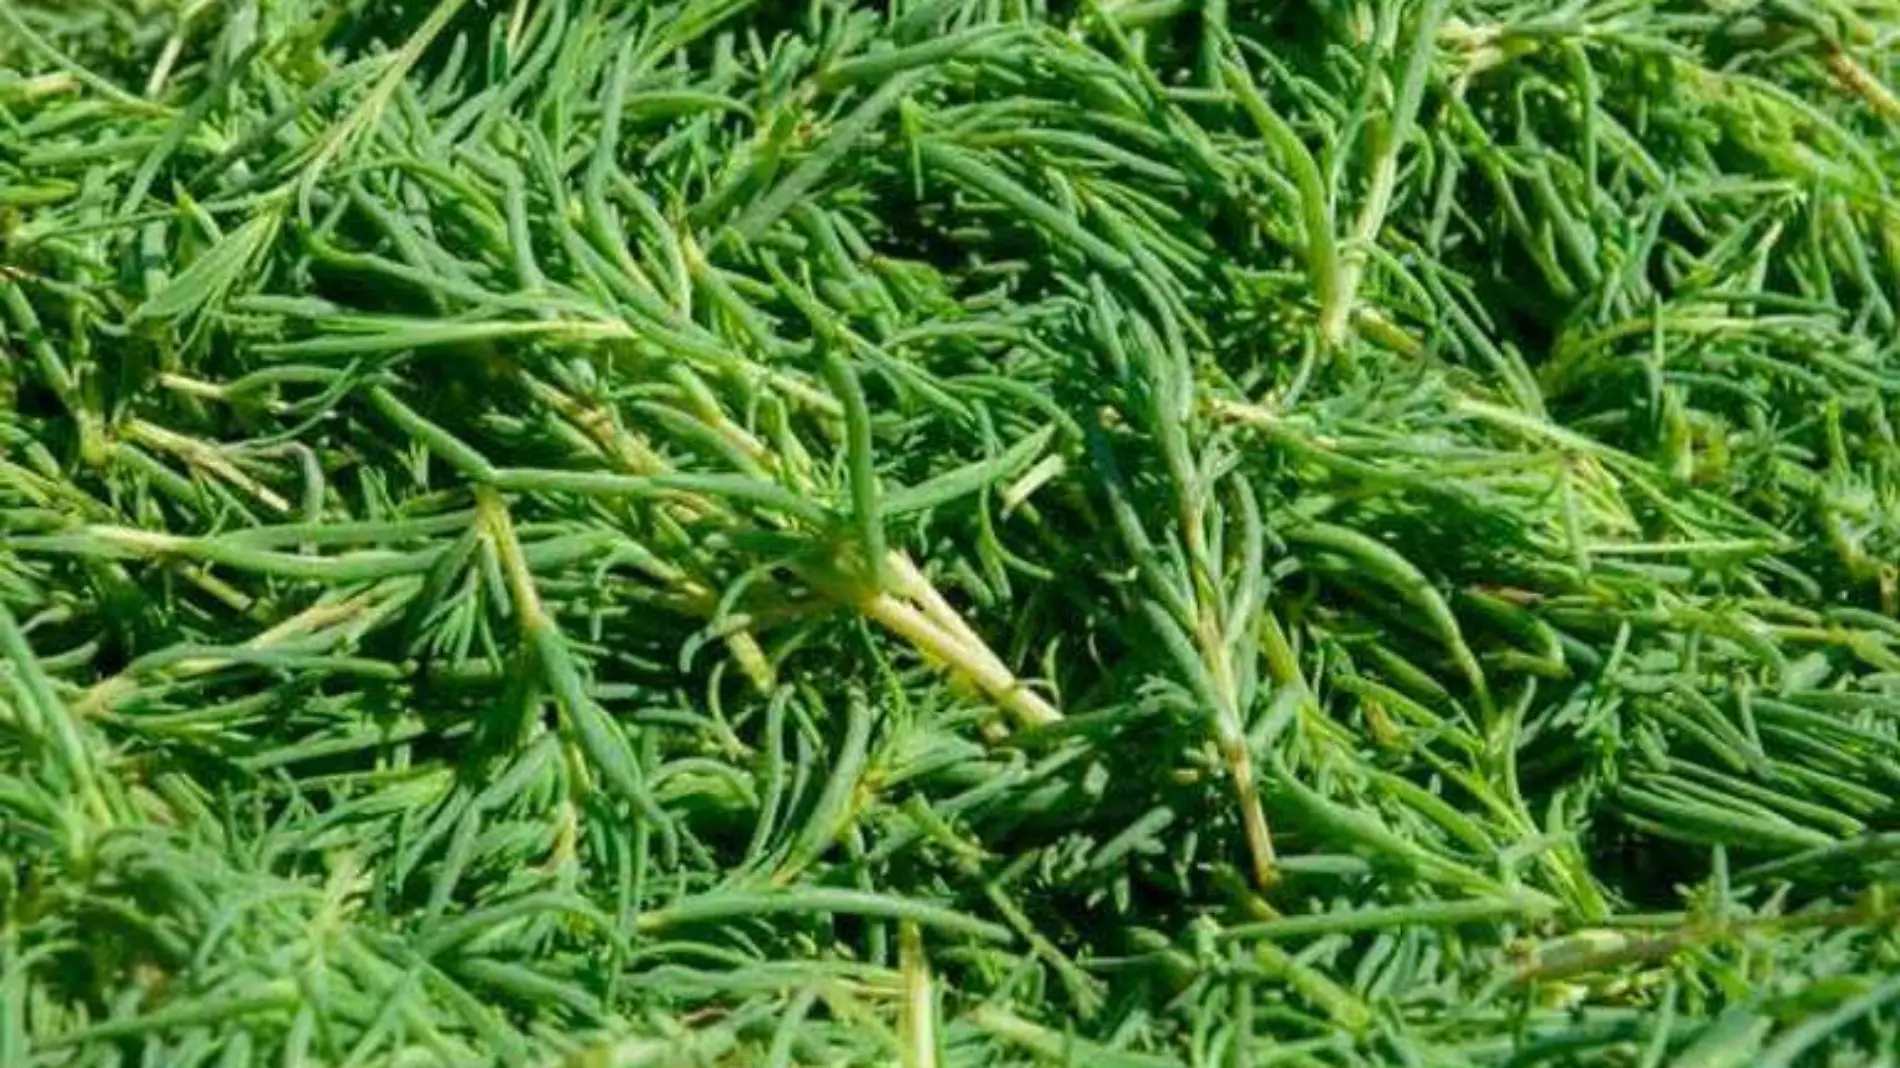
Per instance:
(949,533)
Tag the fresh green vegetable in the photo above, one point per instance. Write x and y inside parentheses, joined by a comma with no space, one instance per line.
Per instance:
(949,533)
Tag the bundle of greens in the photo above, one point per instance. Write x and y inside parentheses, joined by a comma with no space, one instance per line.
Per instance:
(949,532)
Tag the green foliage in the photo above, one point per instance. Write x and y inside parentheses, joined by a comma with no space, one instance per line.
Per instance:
(949,533)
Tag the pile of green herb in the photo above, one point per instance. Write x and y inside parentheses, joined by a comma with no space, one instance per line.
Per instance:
(949,533)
